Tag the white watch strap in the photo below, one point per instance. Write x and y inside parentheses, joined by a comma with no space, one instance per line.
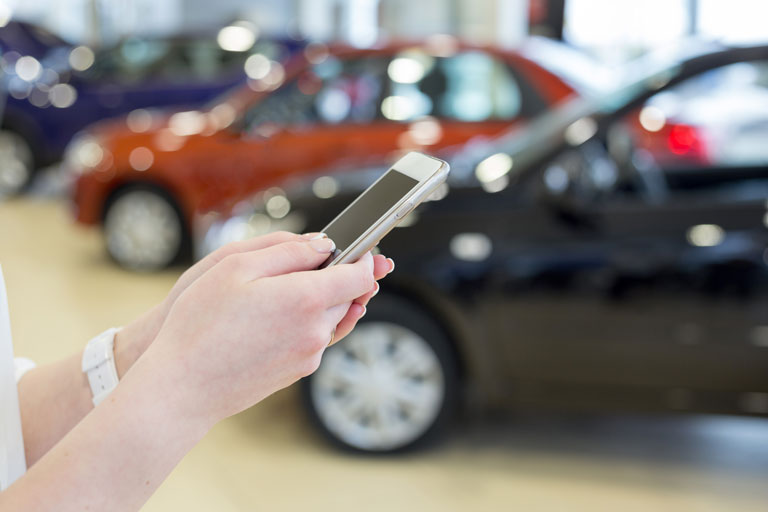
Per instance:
(21,365)
(99,364)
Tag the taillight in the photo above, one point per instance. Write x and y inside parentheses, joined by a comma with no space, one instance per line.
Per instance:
(686,140)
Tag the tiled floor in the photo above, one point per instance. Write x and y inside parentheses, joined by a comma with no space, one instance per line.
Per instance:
(63,289)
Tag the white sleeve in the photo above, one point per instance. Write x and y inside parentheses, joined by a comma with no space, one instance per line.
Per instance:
(12,461)
(22,365)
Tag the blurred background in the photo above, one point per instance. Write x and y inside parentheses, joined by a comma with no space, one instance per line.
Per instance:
(579,317)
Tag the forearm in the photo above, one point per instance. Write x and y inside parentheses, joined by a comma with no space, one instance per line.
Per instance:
(55,397)
(117,456)
(52,399)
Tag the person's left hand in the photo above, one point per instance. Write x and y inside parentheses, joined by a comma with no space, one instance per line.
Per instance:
(134,339)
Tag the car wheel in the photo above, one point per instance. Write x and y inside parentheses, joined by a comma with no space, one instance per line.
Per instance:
(389,386)
(17,163)
(143,229)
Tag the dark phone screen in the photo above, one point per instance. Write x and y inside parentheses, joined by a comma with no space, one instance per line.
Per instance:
(369,207)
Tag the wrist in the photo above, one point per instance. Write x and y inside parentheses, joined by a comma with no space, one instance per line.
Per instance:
(134,339)
(166,379)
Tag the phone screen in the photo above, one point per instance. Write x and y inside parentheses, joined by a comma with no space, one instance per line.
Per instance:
(368,208)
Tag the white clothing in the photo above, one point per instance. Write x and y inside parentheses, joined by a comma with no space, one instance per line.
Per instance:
(12,461)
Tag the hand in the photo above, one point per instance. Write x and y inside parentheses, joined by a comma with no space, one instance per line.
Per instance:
(254,323)
(244,322)
(133,340)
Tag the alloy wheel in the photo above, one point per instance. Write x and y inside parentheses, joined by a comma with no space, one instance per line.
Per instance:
(380,389)
(143,230)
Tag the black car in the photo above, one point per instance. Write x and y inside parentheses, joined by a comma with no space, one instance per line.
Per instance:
(569,265)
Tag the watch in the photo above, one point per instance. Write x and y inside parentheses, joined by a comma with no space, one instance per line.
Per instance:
(99,364)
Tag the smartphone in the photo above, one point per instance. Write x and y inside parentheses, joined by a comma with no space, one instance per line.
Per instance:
(374,213)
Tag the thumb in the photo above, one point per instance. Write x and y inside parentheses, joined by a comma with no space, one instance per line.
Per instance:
(284,258)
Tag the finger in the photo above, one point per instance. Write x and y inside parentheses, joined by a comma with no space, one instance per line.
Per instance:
(382,266)
(252,244)
(364,299)
(335,314)
(279,259)
(339,283)
(338,312)
(259,242)
(345,326)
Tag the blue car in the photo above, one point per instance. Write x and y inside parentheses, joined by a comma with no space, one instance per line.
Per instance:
(53,89)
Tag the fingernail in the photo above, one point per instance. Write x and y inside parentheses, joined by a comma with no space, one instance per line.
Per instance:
(365,310)
(376,290)
(313,236)
(391,265)
(324,245)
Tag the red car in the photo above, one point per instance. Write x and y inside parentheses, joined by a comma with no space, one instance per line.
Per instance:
(146,177)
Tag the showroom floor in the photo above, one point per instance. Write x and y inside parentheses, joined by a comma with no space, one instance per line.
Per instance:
(62,290)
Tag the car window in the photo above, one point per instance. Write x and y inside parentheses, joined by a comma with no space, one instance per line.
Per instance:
(331,92)
(131,61)
(347,91)
(468,86)
(180,61)
(718,119)
(205,60)
(705,134)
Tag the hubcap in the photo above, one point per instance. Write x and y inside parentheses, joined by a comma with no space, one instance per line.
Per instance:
(143,231)
(15,163)
(379,389)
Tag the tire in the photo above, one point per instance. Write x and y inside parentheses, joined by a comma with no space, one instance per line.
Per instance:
(17,163)
(144,229)
(350,397)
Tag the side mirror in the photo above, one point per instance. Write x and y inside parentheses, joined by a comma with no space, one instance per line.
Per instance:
(572,183)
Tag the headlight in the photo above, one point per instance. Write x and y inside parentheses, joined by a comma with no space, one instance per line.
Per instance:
(85,154)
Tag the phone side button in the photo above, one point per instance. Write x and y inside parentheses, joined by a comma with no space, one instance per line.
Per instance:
(403,210)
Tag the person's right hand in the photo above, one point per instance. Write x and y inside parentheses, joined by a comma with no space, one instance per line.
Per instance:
(255,323)
(134,339)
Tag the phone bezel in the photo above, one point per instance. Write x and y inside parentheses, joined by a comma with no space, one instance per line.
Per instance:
(429,172)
